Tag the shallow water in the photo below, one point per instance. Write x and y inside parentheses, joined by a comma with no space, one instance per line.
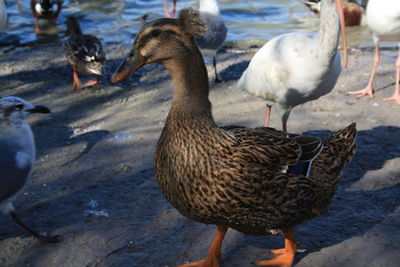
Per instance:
(249,22)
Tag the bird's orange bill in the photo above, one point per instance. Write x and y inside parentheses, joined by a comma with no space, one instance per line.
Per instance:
(129,65)
(343,30)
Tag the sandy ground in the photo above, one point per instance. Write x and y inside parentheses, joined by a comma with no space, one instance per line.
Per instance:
(94,183)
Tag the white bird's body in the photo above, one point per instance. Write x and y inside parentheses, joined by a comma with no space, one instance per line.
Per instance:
(216,29)
(3,14)
(383,19)
(275,74)
(17,150)
(294,68)
(215,36)
(19,139)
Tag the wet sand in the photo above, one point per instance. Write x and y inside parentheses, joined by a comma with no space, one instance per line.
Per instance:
(94,182)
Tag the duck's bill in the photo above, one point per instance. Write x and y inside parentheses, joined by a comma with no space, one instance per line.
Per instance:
(313,6)
(39,109)
(343,30)
(128,66)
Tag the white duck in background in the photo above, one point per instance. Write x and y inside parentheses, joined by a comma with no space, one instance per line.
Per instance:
(383,18)
(215,36)
(294,68)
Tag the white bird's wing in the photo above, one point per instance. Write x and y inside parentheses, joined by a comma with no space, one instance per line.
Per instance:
(15,168)
(216,32)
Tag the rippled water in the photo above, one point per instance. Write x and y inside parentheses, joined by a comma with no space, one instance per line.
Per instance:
(249,22)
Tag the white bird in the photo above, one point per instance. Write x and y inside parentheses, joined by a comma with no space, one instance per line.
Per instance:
(294,68)
(17,155)
(383,19)
(216,33)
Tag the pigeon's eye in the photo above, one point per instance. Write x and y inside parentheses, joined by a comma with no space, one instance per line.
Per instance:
(19,107)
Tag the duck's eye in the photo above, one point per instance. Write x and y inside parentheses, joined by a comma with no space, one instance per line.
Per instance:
(155,33)
(19,107)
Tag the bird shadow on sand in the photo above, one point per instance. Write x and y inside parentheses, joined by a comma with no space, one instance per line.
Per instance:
(234,71)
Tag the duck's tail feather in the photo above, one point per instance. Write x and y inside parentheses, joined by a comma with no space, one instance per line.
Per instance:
(337,153)
(327,167)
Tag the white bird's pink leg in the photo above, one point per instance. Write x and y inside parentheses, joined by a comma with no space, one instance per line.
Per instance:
(166,9)
(267,115)
(396,93)
(369,90)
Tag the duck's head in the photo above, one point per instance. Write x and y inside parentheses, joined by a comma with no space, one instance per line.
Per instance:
(313,5)
(14,109)
(73,27)
(162,40)
(47,8)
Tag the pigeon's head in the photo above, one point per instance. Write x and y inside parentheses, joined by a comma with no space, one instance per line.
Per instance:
(15,109)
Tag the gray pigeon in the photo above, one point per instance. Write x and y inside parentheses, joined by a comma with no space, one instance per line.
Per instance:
(17,155)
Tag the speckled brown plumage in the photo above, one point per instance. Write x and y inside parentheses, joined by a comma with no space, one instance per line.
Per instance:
(229,176)
(234,178)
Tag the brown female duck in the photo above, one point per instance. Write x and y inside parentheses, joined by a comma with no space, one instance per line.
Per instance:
(84,52)
(233,176)
(45,9)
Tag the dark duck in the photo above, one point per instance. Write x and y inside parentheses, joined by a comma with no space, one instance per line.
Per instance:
(84,52)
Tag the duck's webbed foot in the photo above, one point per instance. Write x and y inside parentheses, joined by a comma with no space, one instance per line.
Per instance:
(214,253)
(93,83)
(285,256)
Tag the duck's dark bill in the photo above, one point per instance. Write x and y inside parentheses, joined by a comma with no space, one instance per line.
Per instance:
(40,109)
(130,64)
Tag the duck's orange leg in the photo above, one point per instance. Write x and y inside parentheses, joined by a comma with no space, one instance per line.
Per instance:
(214,252)
(396,93)
(369,90)
(285,256)
(37,30)
(77,82)
(92,83)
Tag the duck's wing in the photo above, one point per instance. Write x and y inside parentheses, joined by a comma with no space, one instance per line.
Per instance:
(84,47)
(288,148)
(256,179)
(311,146)
(265,146)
